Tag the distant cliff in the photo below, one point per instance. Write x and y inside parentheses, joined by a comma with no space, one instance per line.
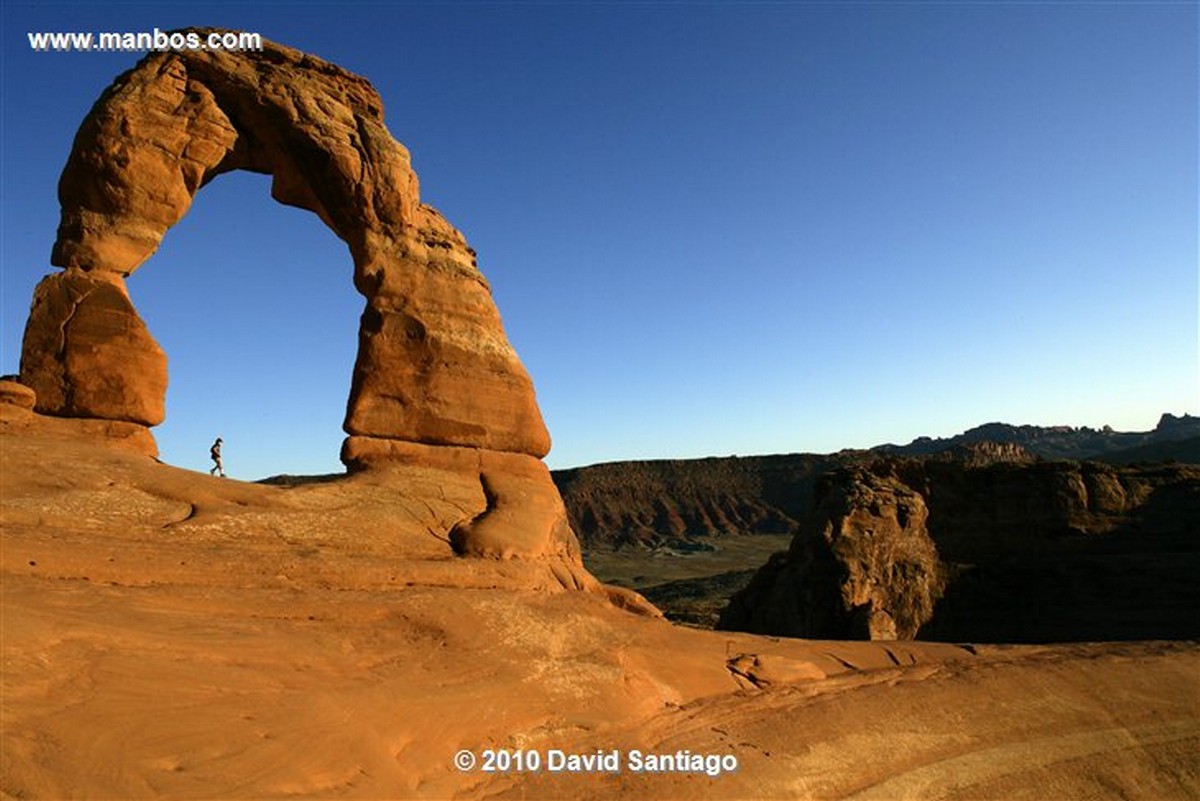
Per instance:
(657,502)
(1021,552)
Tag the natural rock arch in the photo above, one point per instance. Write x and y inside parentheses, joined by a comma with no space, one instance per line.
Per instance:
(434,366)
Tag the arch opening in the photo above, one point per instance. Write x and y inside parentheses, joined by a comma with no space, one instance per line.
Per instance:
(251,302)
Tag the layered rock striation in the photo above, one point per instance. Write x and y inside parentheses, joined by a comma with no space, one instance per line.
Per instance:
(657,502)
(654,502)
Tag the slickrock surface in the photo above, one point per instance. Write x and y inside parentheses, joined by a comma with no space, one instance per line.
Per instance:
(167,634)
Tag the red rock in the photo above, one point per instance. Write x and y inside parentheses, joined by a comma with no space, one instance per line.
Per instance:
(17,394)
(87,353)
(519,512)
(434,363)
(18,420)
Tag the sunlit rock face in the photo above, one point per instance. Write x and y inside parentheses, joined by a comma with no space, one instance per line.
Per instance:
(435,378)
(434,364)
(87,353)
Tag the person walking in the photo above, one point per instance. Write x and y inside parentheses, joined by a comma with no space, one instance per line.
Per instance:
(215,453)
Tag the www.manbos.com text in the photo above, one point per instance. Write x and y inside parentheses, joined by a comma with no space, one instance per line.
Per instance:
(141,41)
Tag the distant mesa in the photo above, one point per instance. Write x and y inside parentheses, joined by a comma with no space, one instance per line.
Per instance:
(436,380)
(657,501)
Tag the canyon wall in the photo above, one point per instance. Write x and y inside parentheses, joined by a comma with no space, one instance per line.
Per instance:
(657,502)
(1021,552)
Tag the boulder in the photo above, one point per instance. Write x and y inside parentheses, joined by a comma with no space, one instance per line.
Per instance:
(87,353)
(17,394)
(862,566)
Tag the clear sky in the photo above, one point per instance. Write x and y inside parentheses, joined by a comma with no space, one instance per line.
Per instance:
(710,228)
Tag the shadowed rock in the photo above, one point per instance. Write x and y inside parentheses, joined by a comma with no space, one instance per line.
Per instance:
(862,567)
(1010,552)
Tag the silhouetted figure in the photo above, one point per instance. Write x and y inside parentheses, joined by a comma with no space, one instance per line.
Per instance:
(215,453)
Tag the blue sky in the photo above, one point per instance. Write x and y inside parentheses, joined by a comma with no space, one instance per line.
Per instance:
(710,228)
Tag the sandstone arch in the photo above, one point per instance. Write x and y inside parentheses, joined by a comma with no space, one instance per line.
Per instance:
(434,366)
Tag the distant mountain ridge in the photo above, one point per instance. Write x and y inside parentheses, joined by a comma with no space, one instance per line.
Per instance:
(1063,442)
(654,502)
